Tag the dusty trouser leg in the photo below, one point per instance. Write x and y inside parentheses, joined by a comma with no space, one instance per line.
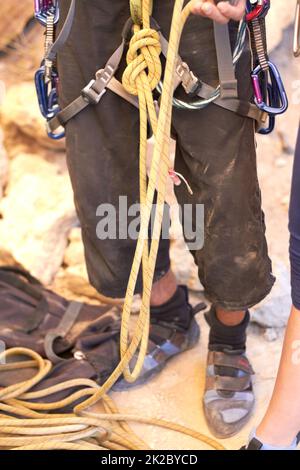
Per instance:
(216,154)
(103,161)
(103,149)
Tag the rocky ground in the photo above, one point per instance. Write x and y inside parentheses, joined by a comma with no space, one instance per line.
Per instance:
(39,228)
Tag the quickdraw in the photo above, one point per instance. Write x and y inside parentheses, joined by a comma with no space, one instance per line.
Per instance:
(46,78)
(269,91)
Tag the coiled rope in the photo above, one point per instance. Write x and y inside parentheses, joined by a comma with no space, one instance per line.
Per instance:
(37,427)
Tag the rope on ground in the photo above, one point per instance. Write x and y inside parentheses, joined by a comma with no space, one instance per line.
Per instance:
(84,429)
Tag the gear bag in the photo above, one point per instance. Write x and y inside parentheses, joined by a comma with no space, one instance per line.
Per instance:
(81,340)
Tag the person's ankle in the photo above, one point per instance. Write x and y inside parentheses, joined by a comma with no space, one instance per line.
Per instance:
(230,318)
(227,334)
(163,290)
(273,436)
(274,440)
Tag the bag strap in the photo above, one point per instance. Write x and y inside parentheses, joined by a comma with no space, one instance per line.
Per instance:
(69,318)
(21,272)
(33,288)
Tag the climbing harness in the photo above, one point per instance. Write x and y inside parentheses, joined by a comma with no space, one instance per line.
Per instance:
(270,98)
(269,92)
(297,31)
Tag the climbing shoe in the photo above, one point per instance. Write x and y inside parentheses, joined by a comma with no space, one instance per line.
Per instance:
(173,330)
(229,399)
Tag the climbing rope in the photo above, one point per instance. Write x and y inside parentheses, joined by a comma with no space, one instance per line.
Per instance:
(38,426)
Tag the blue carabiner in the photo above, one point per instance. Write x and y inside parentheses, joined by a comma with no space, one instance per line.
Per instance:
(44,8)
(274,99)
(41,91)
(53,135)
(48,99)
(278,90)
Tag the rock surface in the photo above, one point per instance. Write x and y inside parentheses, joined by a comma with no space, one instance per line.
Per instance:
(21,117)
(3,166)
(38,214)
(39,229)
(13,18)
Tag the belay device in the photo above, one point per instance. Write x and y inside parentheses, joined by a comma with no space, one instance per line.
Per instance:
(269,94)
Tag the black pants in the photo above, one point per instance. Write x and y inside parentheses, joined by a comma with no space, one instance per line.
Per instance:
(215,152)
(295,228)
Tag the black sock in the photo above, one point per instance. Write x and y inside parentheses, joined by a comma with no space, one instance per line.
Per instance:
(222,335)
(177,310)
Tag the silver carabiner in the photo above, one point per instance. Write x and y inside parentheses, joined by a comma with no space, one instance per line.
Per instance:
(297,31)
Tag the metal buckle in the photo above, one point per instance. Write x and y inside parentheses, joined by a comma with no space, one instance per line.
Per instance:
(90,95)
(258,9)
(44,8)
(190,82)
(297,31)
(59,134)
(276,101)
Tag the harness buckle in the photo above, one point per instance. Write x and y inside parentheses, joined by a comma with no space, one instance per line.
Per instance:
(190,82)
(90,94)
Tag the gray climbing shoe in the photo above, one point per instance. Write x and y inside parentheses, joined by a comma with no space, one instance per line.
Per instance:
(229,399)
(166,340)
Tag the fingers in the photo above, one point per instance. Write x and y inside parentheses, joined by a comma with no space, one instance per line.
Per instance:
(209,10)
(232,12)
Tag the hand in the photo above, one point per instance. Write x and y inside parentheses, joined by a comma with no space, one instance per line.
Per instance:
(222,12)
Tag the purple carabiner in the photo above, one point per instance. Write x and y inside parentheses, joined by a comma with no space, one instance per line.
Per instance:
(44,8)
(277,87)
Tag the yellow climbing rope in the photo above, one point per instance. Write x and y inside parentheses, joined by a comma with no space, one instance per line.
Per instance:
(85,428)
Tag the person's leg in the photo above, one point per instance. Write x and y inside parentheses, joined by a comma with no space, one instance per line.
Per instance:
(103,160)
(103,150)
(216,154)
(284,407)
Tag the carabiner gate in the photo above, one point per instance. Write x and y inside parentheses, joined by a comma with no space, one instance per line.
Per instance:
(276,102)
(48,98)
(44,8)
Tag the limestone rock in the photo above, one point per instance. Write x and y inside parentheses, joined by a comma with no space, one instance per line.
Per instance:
(38,214)
(13,18)
(74,254)
(278,19)
(274,311)
(20,115)
(3,166)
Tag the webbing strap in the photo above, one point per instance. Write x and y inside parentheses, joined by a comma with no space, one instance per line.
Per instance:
(243,108)
(63,35)
(95,90)
(91,94)
(228,81)
(69,318)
